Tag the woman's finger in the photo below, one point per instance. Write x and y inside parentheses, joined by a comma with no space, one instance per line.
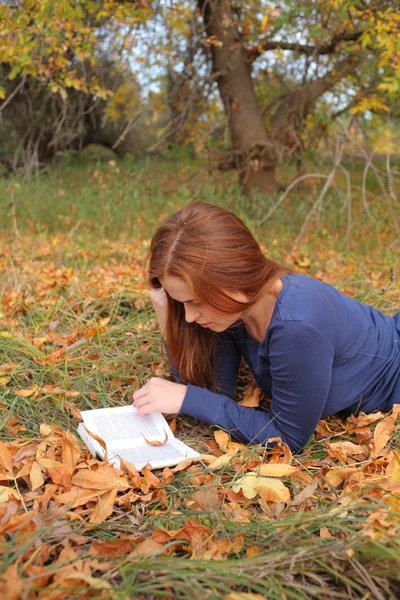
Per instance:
(141,402)
(140,393)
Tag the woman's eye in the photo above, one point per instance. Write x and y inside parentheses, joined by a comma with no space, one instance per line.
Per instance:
(196,304)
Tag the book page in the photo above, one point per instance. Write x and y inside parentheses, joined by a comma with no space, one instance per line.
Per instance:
(122,423)
(170,453)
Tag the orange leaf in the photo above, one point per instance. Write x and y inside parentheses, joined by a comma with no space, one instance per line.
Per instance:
(103,479)
(146,548)
(71,452)
(156,442)
(27,393)
(5,458)
(382,433)
(36,476)
(114,548)
(150,479)
(98,439)
(11,584)
(104,507)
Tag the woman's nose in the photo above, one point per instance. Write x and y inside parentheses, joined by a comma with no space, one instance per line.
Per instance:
(191,313)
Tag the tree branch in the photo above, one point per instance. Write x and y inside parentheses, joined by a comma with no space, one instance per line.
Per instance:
(326,48)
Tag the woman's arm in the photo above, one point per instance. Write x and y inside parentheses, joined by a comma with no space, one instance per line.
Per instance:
(301,367)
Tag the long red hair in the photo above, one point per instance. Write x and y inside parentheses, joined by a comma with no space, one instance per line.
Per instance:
(213,251)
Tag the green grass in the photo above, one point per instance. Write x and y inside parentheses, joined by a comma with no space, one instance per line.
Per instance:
(86,221)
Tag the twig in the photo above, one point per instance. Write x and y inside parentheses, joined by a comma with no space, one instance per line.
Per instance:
(14,93)
(127,129)
(286,192)
(391,280)
(327,185)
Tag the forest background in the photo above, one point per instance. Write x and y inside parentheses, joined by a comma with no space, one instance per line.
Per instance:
(113,115)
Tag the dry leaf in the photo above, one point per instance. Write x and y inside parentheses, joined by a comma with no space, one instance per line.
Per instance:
(70,453)
(36,476)
(6,493)
(382,434)
(5,458)
(27,393)
(206,498)
(270,489)
(156,442)
(104,507)
(11,584)
(304,494)
(222,439)
(146,548)
(105,478)
(325,534)
(98,439)
(114,548)
(277,470)
(252,396)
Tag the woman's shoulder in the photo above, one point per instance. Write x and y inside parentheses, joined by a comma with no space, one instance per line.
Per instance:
(304,298)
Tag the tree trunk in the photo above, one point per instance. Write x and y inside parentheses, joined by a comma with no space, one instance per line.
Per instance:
(254,152)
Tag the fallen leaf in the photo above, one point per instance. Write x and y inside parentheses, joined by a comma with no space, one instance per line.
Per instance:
(36,476)
(304,494)
(382,434)
(206,498)
(11,584)
(104,507)
(270,489)
(102,479)
(98,439)
(5,458)
(70,453)
(146,548)
(6,493)
(277,470)
(252,396)
(222,439)
(156,442)
(27,393)
(325,534)
(114,548)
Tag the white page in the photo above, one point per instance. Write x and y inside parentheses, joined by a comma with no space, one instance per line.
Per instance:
(121,424)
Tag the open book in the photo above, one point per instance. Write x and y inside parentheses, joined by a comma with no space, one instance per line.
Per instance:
(123,432)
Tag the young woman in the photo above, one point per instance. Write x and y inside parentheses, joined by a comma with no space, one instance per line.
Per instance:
(218,299)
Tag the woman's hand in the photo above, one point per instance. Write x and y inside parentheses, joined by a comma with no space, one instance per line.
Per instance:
(160,303)
(159,395)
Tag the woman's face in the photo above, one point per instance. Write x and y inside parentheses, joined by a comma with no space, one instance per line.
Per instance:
(196,312)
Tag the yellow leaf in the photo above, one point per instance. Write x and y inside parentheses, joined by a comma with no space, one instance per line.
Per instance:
(6,493)
(222,439)
(4,381)
(393,467)
(268,488)
(5,334)
(277,470)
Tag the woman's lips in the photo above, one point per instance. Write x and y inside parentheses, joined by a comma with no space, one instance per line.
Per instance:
(205,324)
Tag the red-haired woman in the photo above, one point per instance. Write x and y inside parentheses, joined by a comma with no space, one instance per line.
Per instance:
(218,299)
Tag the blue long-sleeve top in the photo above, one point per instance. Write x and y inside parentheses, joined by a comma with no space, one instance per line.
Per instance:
(323,353)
